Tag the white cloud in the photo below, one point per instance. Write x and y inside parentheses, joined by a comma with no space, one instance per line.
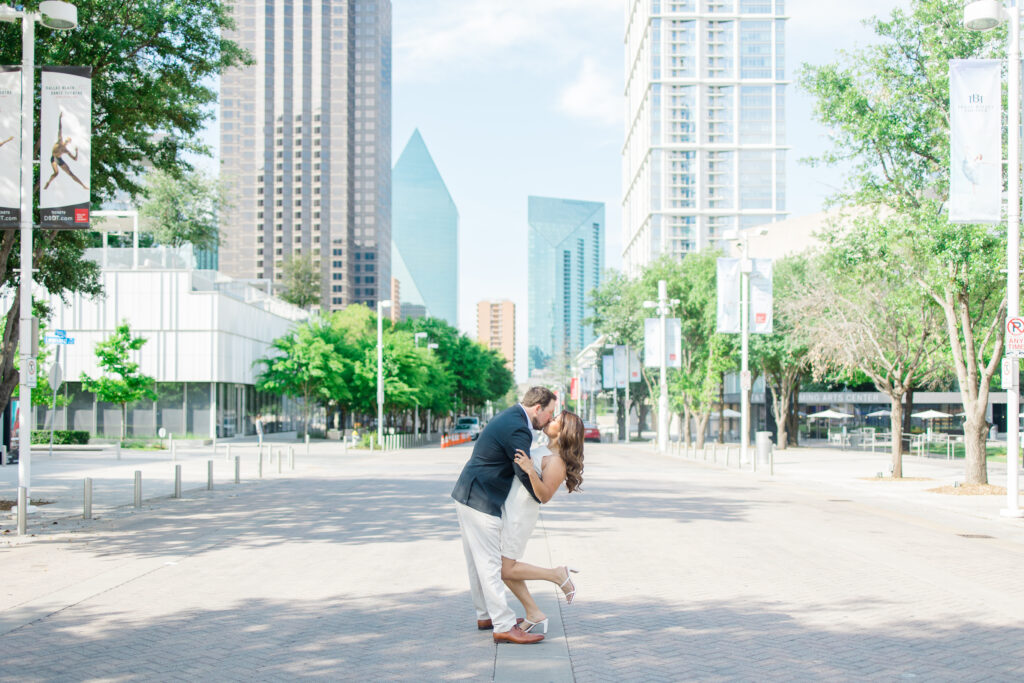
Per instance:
(595,95)
(450,34)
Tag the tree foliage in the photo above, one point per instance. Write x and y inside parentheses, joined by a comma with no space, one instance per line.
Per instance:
(301,281)
(122,382)
(183,209)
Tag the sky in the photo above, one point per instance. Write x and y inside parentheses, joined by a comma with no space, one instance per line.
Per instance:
(524,97)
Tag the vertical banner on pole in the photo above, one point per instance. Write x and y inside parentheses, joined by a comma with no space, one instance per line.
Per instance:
(761,296)
(652,342)
(10,146)
(976,157)
(65,152)
(574,389)
(634,366)
(728,283)
(621,369)
(607,372)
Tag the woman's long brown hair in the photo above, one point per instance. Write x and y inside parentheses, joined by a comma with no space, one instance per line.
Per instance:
(570,448)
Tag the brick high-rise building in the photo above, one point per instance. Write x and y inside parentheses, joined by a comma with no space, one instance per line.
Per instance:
(496,329)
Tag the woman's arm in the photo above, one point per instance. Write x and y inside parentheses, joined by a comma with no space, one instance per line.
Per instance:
(543,487)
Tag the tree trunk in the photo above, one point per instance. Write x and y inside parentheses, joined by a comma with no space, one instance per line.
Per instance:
(641,416)
(975,437)
(721,407)
(686,426)
(793,413)
(905,426)
(702,426)
(124,420)
(895,424)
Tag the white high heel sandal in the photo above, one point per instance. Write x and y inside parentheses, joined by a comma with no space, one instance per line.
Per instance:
(541,625)
(570,594)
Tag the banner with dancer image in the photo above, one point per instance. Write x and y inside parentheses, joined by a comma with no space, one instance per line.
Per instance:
(976,141)
(64,146)
(10,146)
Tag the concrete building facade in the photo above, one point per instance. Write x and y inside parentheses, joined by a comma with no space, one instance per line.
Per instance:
(496,329)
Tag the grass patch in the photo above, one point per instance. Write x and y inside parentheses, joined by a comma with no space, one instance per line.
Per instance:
(970,490)
(8,505)
(896,479)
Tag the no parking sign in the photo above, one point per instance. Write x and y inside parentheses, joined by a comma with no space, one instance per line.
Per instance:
(1015,337)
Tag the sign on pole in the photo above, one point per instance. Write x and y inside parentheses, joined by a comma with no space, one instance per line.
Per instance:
(1015,337)
(727,279)
(975,140)
(652,342)
(10,146)
(621,369)
(761,296)
(65,124)
(31,371)
(607,372)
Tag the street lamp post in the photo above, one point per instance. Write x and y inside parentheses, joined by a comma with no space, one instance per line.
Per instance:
(661,307)
(983,15)
(381,305)
(416,411)
(59,15)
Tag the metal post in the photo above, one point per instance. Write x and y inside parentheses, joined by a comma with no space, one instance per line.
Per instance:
(259,461)
(177,481)
(209,475)
(87,499)
(291,457)
(174,452)
(280,457)
(238,469)
(744,349)
(380,371)
(307,447)
(626,410)
(1013,262)
(227,454)
(138,488)
(28,56)
(118,448)
(3,455)
(22,510)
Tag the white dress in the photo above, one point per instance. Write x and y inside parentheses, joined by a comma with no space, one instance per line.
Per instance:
(519,512)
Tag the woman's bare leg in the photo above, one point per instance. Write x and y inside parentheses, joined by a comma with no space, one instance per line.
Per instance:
(55,172)
(519,589)
(514,570)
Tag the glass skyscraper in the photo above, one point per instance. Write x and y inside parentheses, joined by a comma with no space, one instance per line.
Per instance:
(306,145)
(705,125)
(424,234)
(566,261)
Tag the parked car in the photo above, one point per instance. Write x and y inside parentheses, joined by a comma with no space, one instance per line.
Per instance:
(591,432)
(467,426)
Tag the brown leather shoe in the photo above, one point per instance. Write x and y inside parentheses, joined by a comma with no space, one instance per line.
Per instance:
(518,636)
(487,625)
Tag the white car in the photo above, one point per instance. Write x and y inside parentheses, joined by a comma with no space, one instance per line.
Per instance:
(467,426)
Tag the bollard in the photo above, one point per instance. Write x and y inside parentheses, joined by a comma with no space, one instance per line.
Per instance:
(714,452)
(138,488)
(177,481)
(771,461)
(238,469)
(3,455)
(22,511)
(209,475)
(280,457)
(259,461)
(227,454)
(87,499)
(174,451)
(119,449)
(291,456)
(307,450)
(728,449)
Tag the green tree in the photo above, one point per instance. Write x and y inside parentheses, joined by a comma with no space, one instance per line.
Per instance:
(121,382)
(184,208)
(306,364)
(887,105)
(301,281)
(152,93)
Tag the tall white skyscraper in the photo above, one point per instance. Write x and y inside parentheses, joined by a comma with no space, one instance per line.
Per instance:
(705,123)
(306,144)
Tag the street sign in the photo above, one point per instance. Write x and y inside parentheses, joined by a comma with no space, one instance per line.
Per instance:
(30,370)
(60,333)
(745,381)
(58,339)
(56,376)
(1015,337)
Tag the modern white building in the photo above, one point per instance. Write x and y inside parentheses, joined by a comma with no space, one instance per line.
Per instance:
(704,150)
(205,332)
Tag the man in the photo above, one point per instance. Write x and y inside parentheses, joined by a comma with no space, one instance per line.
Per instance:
(479,493)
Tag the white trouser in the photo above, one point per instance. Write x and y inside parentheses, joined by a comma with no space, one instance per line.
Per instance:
(481,541)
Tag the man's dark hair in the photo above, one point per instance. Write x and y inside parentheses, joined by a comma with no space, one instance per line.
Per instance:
(538,396)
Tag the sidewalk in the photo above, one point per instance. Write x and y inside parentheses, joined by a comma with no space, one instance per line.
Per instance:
(350,567)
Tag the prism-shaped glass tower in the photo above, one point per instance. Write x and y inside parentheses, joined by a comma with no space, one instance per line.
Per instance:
(424,234)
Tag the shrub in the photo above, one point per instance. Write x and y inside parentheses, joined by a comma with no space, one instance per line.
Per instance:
(61,436)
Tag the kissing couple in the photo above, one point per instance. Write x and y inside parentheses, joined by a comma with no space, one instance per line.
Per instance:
(497,500)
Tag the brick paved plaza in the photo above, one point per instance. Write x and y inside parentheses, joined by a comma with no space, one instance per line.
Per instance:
(351,568)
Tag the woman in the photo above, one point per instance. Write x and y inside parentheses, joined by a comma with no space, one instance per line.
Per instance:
(547,469)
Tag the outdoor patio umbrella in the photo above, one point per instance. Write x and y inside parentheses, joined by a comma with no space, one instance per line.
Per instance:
(830,414)
(930,415)
(879,413)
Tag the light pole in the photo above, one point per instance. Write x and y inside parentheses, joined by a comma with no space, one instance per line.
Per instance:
(62,16)
(381,305)
(983,15)
(661,307)
(416,411)
(615,391)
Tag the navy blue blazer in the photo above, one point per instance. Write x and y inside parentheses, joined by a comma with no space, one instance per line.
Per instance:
(487,476)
